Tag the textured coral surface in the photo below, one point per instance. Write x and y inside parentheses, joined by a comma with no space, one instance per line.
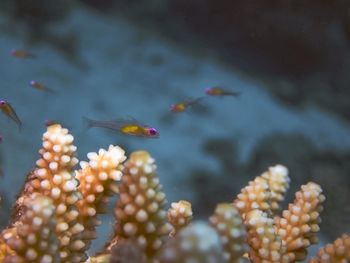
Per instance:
(56,215)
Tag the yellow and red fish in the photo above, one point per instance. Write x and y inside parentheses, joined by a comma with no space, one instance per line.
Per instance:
(126,126)
(8,110)
(217,91)
(40,86)
(183,105)
(21,53)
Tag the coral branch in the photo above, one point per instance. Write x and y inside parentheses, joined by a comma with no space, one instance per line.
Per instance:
(33,237)
(197,242)
(254,196)
(265,245)
(140,209)
(278,181)
(179,215)
(53,178)
(265,192)
(300,223)
(339,251)
(98,180)
(228,223)
(127,251)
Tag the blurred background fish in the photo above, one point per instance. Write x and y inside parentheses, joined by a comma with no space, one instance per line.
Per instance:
(184,105)
(8,110)
(40,86)
(21,53)
(217,91)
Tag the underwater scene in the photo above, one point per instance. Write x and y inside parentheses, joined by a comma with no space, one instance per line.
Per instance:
(160,131)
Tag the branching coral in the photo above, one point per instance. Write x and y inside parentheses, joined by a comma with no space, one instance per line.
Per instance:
(98,180)
(56,215)
(265,245)
(195,243)
(53,177)
(33,237)
(228,224)
(179,215)
(286,238)
(300,223)
(140,210)
(265,192)
(339,251)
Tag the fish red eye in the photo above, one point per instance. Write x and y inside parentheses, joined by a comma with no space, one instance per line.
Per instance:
(152,131)
(2,102)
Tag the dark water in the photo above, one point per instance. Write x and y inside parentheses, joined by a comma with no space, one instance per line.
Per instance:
(121,59)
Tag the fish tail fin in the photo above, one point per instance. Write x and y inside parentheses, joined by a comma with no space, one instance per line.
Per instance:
(19,126)
(201,101)
(32,56)
(199,105)
(194,101)
(88,123)
(236,94)
(49,90)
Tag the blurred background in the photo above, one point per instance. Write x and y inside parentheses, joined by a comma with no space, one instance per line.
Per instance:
(108,59)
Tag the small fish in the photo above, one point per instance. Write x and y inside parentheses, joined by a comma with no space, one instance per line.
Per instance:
(40,86)
(20,53)
(126,126)
(10,112)
(183,105)
(217,91)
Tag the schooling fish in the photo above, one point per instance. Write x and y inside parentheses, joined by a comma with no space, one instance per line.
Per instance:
(40,86)
(126,126)
(20,53)
(217,91)
(183,105)
(8,110)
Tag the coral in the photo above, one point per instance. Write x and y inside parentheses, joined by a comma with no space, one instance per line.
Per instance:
(98,180)
(55,215)
(127,251)
(179,215)
(286,238)
(300,223)
(228,224)
(265,245)
(254,196)
(339,251)
(140,210)
(265,192)
(196,243)
(278,181)
(33,237)
(53,177)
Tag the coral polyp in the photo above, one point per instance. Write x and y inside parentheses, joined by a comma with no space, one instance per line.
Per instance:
(56,215)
